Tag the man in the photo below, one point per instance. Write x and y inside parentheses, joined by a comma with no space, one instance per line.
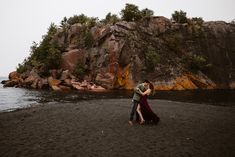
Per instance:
(136,98)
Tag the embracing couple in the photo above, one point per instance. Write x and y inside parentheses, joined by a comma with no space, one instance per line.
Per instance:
(140,106)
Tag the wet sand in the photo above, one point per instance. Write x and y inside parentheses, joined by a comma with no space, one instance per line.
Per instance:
(100,128)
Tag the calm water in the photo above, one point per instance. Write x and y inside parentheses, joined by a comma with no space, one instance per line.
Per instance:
(13,98)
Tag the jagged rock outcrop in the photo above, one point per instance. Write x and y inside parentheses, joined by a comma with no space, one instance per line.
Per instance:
(171,55)
(71,58)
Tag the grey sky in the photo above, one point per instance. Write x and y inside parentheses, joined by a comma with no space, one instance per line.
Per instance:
(25,21)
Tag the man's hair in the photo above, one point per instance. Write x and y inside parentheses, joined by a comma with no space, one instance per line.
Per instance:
(146,81)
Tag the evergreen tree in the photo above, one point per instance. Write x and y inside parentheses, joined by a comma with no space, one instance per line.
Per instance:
(179,16)
(131,12)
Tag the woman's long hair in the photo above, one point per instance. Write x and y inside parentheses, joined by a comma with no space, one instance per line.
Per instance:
(151,88)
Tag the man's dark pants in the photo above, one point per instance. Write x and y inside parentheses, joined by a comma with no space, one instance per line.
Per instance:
(133,109)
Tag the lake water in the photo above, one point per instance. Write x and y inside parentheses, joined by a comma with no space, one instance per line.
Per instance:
(14,98)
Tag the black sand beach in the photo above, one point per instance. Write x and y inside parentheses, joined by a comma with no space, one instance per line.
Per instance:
(100,128)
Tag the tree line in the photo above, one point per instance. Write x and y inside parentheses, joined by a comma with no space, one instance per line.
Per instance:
(47,54)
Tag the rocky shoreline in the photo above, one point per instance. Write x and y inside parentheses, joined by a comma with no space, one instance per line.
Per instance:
(173,56)
(66,82)
(100,128)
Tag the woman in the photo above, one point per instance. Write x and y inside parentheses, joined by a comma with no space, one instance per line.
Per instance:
(145,113)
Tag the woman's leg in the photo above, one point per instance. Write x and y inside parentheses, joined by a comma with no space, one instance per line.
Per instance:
(140,114)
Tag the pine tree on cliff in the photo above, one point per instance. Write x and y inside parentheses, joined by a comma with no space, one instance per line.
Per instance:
(131,12)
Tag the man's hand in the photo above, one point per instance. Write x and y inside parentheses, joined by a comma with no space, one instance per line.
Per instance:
(137,90)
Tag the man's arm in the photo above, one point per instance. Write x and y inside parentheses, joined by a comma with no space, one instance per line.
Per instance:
(137,89)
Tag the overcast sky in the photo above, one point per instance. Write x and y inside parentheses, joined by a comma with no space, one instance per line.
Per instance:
(25,21)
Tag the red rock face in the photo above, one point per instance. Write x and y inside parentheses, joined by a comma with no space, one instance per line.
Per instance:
(124,54)
(13,75)
(71,58)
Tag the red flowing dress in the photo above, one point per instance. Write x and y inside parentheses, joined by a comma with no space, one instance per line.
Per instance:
(149,116)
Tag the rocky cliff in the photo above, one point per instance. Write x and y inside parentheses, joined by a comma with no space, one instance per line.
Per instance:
(172,56)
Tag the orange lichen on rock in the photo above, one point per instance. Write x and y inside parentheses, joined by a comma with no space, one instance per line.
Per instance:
(124,78)
(179,83)
(201,81)
(186,82)
(183,82)
(53,82)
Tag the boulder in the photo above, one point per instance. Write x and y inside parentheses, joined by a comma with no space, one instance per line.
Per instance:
(96,88)
(13,75)
(56,88)
(11,83)
(84,84)
(42,83)
(106,80)
(68,82)
(20,82)
(55,73)
(65,75)
(35,84)
(53,82)
(70,59)
(77,85)
(64,88)
(4,81)
(30,80)
(87,86)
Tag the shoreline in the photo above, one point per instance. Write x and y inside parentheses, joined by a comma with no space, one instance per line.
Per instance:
(100,128)
(34,96)
(37,104)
